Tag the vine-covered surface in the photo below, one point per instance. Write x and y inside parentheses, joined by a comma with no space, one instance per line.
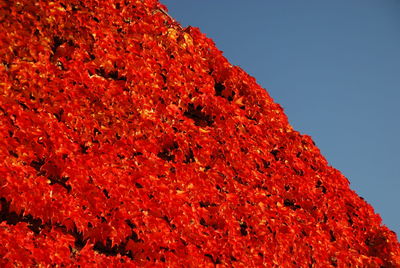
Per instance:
(128,140)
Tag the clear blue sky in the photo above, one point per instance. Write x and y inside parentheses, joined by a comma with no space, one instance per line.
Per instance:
(334,66)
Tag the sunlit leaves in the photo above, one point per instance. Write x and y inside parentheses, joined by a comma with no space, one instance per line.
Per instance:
(127,140)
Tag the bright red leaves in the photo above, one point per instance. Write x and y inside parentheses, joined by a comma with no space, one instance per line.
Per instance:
(127,140)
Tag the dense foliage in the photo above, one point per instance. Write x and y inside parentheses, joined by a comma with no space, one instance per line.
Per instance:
(128,140)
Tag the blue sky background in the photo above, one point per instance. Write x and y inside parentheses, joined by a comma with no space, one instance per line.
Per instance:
(334,66)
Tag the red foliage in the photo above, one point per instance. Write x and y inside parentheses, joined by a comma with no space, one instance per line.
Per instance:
(127,140)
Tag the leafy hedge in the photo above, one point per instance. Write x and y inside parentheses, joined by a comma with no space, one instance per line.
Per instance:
(128,140)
